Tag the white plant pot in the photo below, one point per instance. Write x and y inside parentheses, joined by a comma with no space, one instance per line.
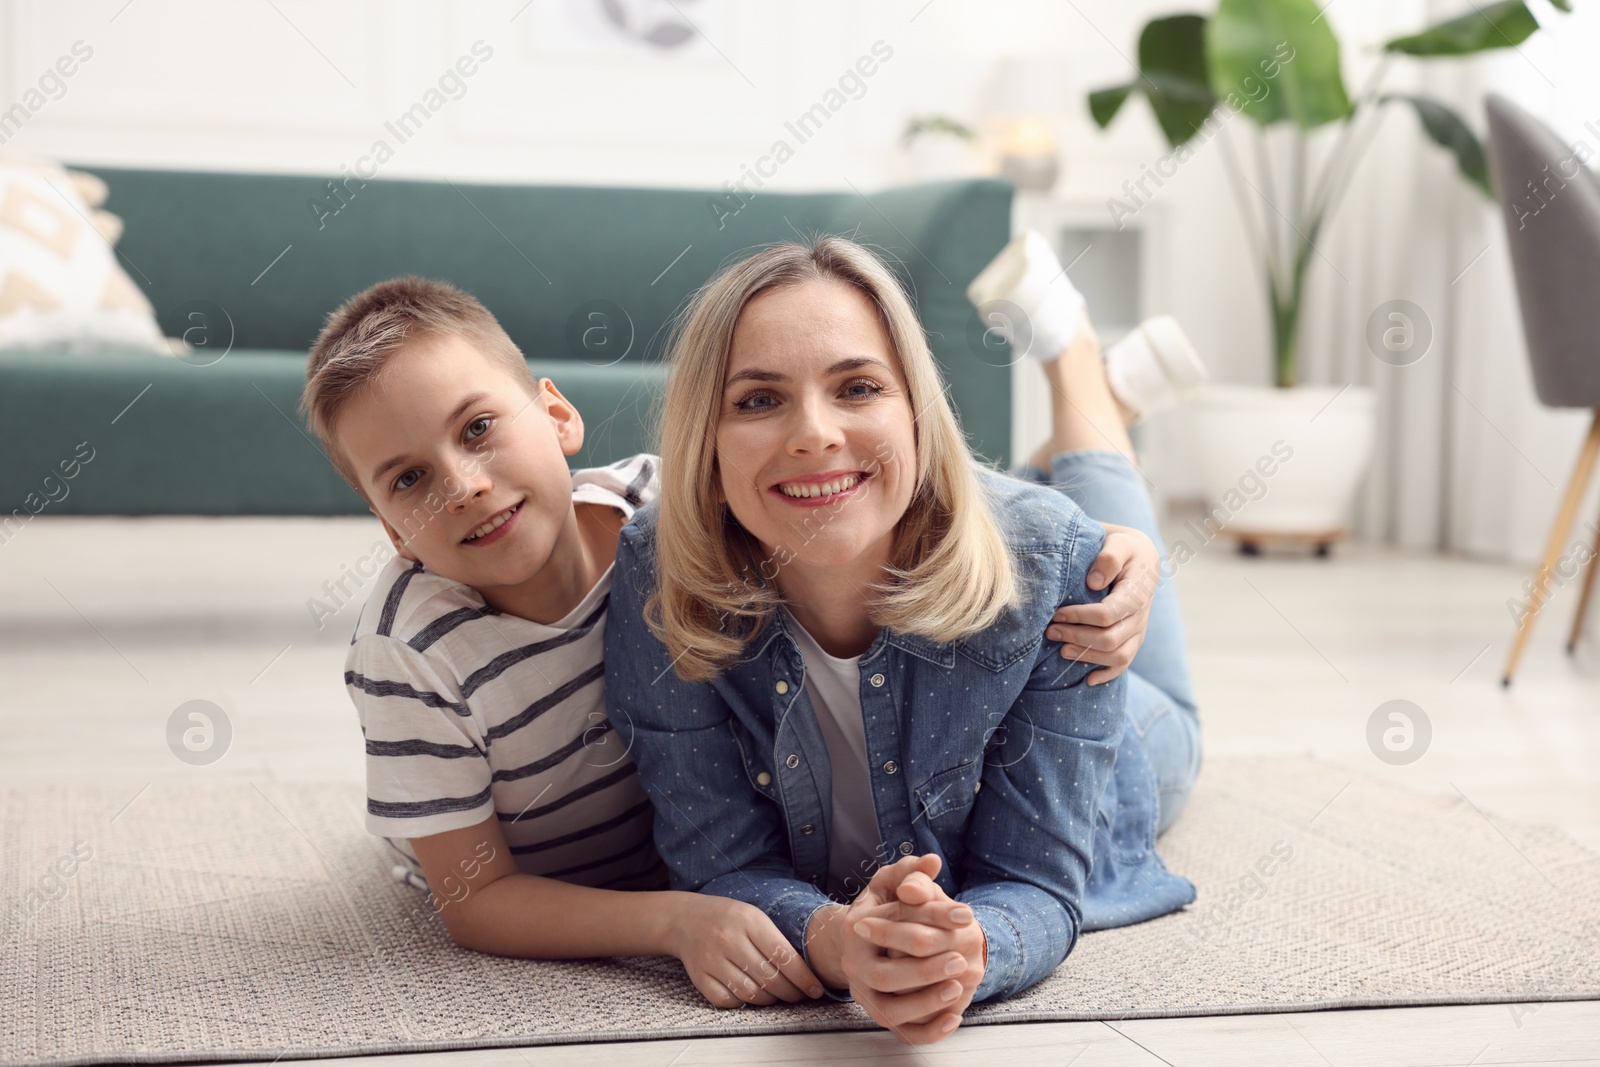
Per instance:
(1283,462)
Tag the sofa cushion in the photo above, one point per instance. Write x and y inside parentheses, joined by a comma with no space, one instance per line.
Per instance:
(169,437)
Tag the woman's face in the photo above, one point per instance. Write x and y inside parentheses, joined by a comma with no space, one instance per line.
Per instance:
(816,451)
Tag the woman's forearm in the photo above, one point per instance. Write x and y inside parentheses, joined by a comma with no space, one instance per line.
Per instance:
(529,917)
(824,945)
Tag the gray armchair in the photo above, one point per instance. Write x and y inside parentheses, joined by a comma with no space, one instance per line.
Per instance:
(1551,205)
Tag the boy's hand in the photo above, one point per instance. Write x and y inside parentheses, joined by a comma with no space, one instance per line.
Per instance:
(1110,633)
(912,961)
(735,955)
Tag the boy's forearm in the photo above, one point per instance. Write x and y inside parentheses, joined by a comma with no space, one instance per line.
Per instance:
(529,917)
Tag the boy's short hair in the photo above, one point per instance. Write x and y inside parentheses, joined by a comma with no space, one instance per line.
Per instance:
(365,332)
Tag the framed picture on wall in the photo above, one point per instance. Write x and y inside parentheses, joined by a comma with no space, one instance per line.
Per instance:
(621,28)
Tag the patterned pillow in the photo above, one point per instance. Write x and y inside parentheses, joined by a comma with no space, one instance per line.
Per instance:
(60,283)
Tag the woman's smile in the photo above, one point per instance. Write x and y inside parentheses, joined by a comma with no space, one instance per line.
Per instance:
(818,490)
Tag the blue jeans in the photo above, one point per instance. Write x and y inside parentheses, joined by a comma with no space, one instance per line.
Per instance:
(1160,706)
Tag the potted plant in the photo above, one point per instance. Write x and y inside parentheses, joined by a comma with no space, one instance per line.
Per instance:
(937,146)
(1277,63)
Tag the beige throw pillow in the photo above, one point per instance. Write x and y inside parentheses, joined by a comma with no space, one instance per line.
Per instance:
(61,285)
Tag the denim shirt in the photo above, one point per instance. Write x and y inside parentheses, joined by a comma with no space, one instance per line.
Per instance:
(992,751)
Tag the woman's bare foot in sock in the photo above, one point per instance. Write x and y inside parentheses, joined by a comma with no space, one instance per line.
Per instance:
(1084,413)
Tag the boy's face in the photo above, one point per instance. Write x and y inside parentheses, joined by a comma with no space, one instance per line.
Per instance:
(444,442)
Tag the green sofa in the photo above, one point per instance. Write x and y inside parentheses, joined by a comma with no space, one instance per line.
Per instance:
(585,280)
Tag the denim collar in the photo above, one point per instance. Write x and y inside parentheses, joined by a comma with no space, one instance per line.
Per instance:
(936,654)
(939,655)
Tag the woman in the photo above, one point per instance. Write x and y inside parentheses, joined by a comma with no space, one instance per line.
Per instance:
(826,647)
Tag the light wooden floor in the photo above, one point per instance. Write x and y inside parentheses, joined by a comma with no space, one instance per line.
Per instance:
(106,626)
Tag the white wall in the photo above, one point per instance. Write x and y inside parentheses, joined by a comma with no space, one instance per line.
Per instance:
(295,85)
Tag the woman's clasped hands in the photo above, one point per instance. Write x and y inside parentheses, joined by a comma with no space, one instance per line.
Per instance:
(908,953)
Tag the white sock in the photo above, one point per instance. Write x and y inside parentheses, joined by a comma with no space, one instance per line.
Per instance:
(1027,296)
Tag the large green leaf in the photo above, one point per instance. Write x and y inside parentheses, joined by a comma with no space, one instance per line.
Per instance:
(1172,62)
(1172,76)
(1175,45)
(1278,61)
(1449,131)
(1499,25)
(1105,103)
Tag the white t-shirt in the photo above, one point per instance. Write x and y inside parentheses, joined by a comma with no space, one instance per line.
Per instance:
(469,713)
(834,686)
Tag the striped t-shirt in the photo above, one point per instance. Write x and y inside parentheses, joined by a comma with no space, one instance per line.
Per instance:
(468,713)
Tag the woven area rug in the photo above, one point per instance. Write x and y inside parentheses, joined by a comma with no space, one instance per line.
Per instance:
(258,923)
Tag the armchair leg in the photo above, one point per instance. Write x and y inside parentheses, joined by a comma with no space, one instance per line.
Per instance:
(1593,566)
(1558,536)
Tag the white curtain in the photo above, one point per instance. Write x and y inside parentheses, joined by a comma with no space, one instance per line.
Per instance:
(1467,459)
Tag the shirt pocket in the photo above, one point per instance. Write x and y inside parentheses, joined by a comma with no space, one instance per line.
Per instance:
(945,798)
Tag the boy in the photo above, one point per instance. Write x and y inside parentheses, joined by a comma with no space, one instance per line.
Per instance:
(476,662)
(476,666)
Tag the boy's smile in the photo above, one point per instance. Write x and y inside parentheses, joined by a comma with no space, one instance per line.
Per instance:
(495,528)
(468,473)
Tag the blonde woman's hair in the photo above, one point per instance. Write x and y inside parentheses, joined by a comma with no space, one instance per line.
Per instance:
(951,572)
(363,335)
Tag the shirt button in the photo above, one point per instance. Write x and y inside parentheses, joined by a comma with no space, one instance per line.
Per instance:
(976,786)
(763,778)
(808,829)
(905,848)
(877,681)
(782,687)
(792,762)
(890,767)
